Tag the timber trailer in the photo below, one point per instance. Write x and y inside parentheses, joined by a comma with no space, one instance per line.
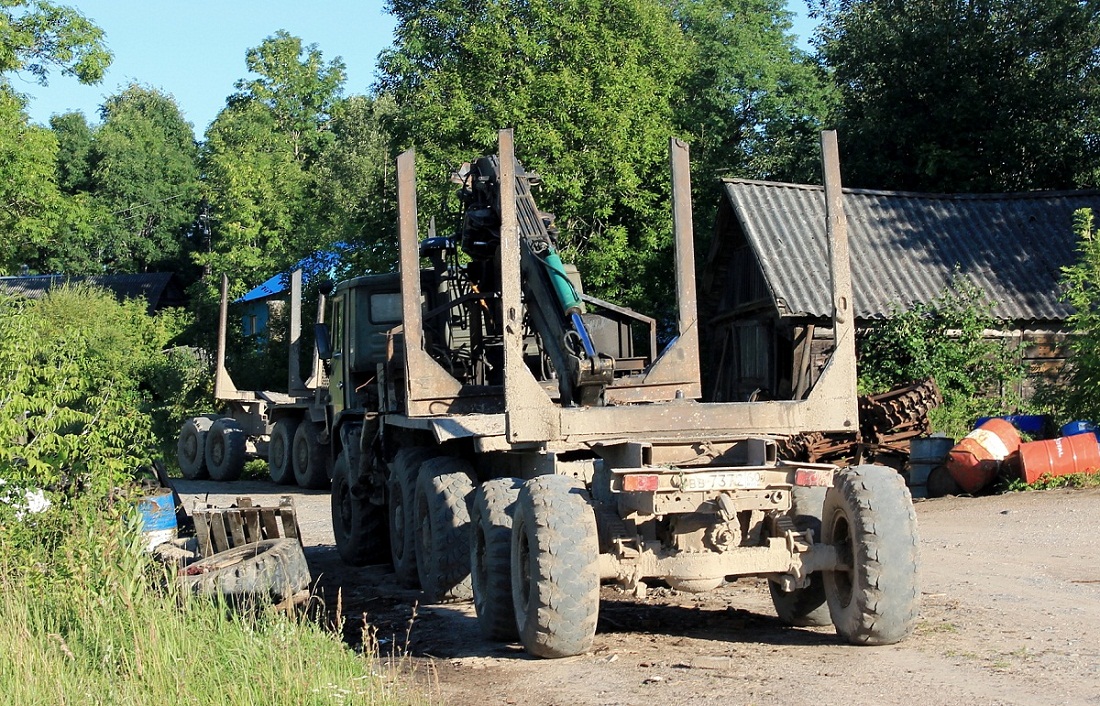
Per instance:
(521,441)
(287,429)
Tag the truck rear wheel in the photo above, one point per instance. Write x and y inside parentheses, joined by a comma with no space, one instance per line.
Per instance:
(555,569)
(310,457)
(358,524)
(401,495)
(804,607)
(225,450)
(280,457)
(869,518)
(491,557)
(191,448)
(443,492)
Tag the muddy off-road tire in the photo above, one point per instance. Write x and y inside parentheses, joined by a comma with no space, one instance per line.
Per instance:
(310,457)
(401,502)
(804,607)
(360,526)
(555,569)
(280,451)
(491,557)
(191,448)
(225,450)
(268,570)
(444,491)
(869,517)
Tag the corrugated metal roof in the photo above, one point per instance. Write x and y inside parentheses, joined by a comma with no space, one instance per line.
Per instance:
(906,247)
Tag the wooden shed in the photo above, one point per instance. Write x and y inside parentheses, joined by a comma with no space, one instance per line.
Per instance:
(764,300)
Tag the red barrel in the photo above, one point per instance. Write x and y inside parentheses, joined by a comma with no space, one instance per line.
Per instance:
(1079,453)
(974,461)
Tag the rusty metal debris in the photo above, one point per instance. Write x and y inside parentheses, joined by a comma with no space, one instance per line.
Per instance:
(887,423)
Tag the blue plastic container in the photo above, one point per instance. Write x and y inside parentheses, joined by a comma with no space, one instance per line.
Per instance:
(158,518)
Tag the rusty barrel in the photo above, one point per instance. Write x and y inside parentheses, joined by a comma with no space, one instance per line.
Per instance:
(974,461)
(1064,456)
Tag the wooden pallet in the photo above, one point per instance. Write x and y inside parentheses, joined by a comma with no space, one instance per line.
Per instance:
(222,528)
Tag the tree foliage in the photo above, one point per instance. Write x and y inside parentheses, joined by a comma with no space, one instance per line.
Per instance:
(966,96)
(30,203)
(36,35)
(259,159)
(755,103)
(590,89)
(145,174)
(354,201)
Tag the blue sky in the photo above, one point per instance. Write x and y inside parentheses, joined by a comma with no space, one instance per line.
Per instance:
(194,49)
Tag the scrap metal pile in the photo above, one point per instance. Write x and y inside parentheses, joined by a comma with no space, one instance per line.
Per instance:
(887,423)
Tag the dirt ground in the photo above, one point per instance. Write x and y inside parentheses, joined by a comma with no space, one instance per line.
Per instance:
(1010,615)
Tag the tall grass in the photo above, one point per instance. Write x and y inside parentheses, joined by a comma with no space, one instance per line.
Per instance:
(87,618)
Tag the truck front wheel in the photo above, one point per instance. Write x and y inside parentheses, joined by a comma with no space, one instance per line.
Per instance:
(555,568)
(358,525)
(443,492)
(869,518)
(491,557)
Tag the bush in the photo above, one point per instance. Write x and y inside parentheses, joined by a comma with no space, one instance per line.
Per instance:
(83,378)
(1079,396)
(944,340)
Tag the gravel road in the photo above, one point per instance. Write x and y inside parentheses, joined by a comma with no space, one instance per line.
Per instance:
(1010,615)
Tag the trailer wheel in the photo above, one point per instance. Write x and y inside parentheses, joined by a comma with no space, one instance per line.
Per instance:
(358,524)
(555,570)
(401,494)
(869,518)
(191,449)
(491,557)
(444,490)
(225,449)
(280,456)
(271,569)
(804,607)
(310,457)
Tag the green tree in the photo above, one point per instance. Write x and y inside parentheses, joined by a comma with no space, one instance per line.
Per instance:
(259,159)
(755,102)
(145,173)
(590,87)
(966,96)
(256,188)
(355,202)
(36,35)
(31,205)
(297,86)
(74,150)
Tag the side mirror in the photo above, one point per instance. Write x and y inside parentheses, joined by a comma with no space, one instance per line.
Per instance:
(324,342)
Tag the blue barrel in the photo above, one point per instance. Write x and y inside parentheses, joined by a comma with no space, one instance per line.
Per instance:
(158,518)
(1079,427)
